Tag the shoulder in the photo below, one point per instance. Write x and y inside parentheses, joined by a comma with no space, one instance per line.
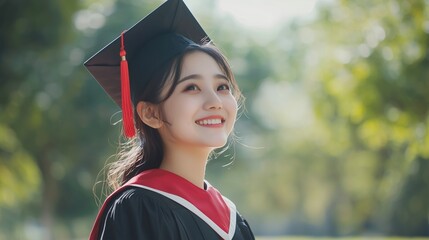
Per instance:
(243,227)
(135,213)
(130,204)
(135,198)
(133,194)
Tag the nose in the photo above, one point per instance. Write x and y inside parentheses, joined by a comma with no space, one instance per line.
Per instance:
(212,101)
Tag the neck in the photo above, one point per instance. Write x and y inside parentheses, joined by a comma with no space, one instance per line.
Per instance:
(187,163)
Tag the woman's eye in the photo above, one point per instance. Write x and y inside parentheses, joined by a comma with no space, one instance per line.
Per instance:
(191,88)
(223,87)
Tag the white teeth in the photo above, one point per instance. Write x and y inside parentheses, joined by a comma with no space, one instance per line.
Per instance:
(210,121)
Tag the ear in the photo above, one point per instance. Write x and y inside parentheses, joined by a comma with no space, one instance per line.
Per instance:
(149,114)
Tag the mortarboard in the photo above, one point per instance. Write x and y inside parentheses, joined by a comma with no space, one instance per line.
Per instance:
(149,44)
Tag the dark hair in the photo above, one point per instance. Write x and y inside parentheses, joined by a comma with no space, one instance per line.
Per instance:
(145,151)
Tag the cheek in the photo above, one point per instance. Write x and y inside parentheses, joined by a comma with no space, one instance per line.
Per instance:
(168,108)
(177,106)
(231,105)
(232,109)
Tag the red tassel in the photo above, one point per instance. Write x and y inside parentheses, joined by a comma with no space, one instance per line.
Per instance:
(127,110)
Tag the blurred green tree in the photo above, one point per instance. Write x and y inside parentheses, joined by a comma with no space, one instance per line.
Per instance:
(371,77)
(49,122)
(335,163)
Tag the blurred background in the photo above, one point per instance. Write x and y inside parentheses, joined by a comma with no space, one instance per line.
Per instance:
(333,140)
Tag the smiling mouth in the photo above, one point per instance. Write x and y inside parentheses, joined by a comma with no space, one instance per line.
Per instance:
(207,122)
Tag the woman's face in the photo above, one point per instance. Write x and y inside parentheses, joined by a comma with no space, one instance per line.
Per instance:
(201,111)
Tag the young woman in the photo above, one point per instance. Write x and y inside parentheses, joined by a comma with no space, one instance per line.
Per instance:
(184,101)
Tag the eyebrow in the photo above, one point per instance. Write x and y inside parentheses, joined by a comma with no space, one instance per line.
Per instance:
(198,77)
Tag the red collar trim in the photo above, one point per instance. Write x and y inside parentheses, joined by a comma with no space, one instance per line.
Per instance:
(210,202)
(218,212)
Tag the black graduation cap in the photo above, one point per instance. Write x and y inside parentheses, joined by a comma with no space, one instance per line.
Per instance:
(149,44)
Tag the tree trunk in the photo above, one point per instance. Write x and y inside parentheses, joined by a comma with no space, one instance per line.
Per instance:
(49,198)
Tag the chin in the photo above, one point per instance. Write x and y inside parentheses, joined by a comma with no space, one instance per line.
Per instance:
(219,145)
(213,144)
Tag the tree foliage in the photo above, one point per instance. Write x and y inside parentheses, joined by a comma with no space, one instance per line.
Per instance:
(346,116)
(46,114)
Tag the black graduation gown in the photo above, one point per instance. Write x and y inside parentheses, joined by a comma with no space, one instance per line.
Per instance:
(157,204)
